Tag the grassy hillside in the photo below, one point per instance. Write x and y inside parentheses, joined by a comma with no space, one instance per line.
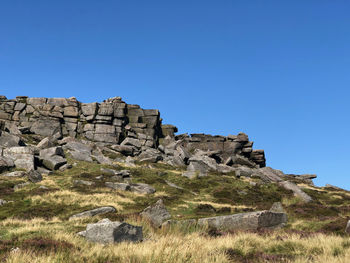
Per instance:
(35,227)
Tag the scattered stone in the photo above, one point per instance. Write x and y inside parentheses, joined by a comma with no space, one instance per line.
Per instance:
(97,211)
(277,208)
(156,214)
(45,143)
(118,186)
(3,202)
(83,182)
(34,176)
(65,167)
(106,231)
(15,174)
(43,170)
(142,188)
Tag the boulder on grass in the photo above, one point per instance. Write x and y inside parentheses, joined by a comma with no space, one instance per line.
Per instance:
(97,211)
(106,231)
(54,162)
(156,214)
(246,221)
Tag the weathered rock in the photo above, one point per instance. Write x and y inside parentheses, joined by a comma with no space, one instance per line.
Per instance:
(34,176)
(106,231)
(270,175)
(296,190)
(156,214)
(277,208)
(93,212)
(79,151)
(142,188)
(118,186)
(54,162)
(47,142)
(43,171)
(15,174)
(246,221)
(9,140)
(58,150)
(124,149)
(132,142)
(83,182)
(5,164)
(23,157)
(65,167)
(46,127)
(3,202)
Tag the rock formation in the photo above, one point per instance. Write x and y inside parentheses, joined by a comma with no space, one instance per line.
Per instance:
(37,133)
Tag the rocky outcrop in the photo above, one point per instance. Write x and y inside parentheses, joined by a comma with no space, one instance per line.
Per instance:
(127,128)
(36,134)
(106,231)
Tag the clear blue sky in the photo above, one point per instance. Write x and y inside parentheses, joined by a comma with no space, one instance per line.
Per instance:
(277,70)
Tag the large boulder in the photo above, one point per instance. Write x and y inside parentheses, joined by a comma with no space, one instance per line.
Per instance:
(97,211)
(106,231)
(156,214)
(23,157)
(9,140)
(79,151)
(46,127)
(54,162)
(246,221)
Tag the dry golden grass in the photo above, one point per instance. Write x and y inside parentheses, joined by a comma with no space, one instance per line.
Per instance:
(70,198)
(175,246)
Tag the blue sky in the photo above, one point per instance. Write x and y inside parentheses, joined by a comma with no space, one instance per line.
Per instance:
(276,70)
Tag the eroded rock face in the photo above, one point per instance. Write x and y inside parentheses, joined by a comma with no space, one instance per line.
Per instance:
(106,231)
(246,221)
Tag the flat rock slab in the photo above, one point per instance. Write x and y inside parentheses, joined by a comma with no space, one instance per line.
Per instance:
(97,211)
(246,221)
(106,231)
